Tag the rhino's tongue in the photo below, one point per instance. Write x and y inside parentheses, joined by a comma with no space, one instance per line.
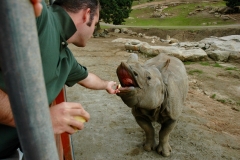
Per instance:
(127,82)
(126,78)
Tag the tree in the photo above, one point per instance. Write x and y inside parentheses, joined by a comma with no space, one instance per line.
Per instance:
(232,3)
(115,11)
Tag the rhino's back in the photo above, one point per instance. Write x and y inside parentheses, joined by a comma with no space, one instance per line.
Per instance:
(170,66)
(160,62)
(166,63)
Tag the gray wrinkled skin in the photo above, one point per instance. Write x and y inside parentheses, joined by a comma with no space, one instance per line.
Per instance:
(156,91)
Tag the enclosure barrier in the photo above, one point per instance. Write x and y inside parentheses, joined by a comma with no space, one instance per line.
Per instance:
(21,66)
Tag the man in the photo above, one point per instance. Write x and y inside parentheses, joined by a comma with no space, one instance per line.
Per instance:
(66,21)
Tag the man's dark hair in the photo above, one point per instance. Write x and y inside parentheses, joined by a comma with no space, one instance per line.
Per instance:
(75,6)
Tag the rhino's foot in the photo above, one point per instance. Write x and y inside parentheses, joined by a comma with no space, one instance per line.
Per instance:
(164,149)
(149,146)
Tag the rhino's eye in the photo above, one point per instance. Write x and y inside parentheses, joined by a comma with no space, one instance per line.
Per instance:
(135,73)
(148,77)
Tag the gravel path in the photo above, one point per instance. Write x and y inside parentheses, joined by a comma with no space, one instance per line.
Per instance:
(206,130)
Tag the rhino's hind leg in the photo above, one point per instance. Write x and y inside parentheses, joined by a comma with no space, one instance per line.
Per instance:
(146,125)
(163,147)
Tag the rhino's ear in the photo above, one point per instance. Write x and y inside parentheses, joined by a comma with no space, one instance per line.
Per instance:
(132,58)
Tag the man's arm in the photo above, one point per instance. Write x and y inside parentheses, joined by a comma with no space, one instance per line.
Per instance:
(6,116)
(94,82)
(62,115)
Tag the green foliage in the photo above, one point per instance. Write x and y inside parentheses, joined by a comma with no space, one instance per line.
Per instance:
(205,63)
(213,96)
(221,100)
(217,65)
(232,3)
(115,11)
(187,63)
(231,68)
(195,71)
(238,103)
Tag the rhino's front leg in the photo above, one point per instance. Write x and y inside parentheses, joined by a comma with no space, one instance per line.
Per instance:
(146,125)
(163,147)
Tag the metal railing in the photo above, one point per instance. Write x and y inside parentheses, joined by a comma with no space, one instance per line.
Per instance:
(21,66)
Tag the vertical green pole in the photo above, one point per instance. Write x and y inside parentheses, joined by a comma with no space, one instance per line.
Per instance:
(22,69)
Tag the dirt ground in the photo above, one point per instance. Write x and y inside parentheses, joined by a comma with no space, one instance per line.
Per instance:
(209,127)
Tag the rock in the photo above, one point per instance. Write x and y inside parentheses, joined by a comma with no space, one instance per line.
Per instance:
(168,37)
(172,41)
(124,30)
(223,48)
(219,55)
(201,45)
(133,46)
(234,55)
(125,40)
(196,54)
(133,34)
(225,17)
(231,38)
(117,31)
(144,47)
(217,48)
(188,44)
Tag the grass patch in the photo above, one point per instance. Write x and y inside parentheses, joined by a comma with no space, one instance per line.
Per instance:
(231,68)
(213,96)
(187,63)
(179,16)
(195,71)
(221,100)
(143,1)
(205,63)
(217,65)
(238,103)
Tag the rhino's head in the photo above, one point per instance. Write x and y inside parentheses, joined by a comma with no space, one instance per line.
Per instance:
(142,86)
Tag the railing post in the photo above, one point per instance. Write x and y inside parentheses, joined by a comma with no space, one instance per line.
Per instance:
(22,70)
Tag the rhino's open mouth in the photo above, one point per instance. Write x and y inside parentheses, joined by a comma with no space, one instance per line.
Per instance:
(126,76)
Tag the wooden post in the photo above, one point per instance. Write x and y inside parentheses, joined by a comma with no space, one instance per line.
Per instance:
(66,140)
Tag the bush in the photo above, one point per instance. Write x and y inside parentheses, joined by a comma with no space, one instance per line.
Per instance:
(232,3)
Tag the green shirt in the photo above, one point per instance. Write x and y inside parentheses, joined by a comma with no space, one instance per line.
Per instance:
(55,27)
(60,67)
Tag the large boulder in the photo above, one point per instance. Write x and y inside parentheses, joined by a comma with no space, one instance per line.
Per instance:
(217,48)
(223,48)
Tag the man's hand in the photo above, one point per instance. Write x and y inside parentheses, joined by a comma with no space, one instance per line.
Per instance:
(110,87)
(63,117)
(94,82)
(6,115)
(37,7)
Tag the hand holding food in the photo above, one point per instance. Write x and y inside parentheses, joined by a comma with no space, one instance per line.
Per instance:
(80,119)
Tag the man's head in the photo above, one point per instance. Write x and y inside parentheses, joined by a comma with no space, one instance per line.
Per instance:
(85,15)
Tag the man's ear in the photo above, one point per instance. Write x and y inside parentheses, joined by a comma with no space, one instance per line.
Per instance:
(86,15)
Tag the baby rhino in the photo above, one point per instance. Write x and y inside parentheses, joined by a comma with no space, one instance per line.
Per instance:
(155,91)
